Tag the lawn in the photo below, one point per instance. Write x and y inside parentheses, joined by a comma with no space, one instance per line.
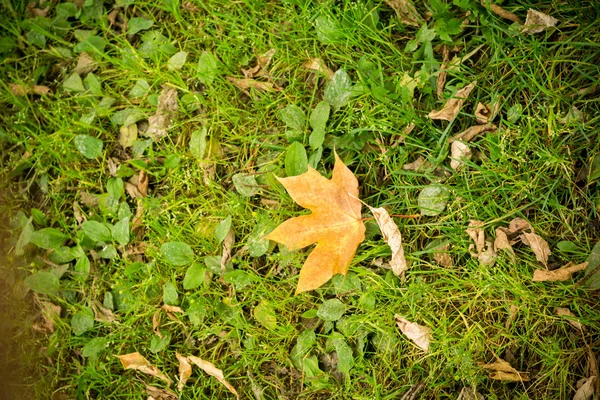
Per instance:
(141,146)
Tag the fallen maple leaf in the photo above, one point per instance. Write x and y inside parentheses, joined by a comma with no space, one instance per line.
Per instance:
(393,237)
(210,369)
(502,371)
(561,274)
(453,106)
(335,223)
(420,335)
(537,21)
(137,362)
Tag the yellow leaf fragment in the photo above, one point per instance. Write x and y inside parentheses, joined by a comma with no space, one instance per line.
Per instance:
(585,388)
(538,245)
(571,318)
(393,237)
(502,371)
(335,223)
(453,106)
(185,370)
(561,274)
(537,21)
(137,362)
(318,65)
(210,369)
(420,335)
(406,11)
(245,84)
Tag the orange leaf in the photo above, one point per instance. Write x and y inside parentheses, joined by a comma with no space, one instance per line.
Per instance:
(335,223)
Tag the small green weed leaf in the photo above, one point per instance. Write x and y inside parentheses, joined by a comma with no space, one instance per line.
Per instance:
(124,211)
(155,44)
(296,160)
(93,84)
(177,61)
(82,321)
(310,367)
(128,134)
(230,315)
(82,268)
(293,117)
(96,231)
(94,347)
(24,237)
(318,122)
(91,44)
(594,172)
(90,147)
(331,310)
(170,295)
(344,354)
(208,68)
(312,313)
(433,199)
(566,246)
(198,143)
(222,229)
(258,246)
(127,116)
(338,90)
(367,301)
(177,253)
(328,30)
(48,238)
(306,340)
(245,184)
(66,10)
(445,27)
(115,187)
(61,255)
(315,156)
(120,231)
(108,252)
(194,276)
(36,38)
(108,205)
(593,260)
(158,344)
(39,217)
(140,146)
(514,113)
(172,161)
(7,45)
(140,89)
(240,279)
(136,25)
(74,83)
(265,315)
(43,282)
(425,34)
(134,268)
(196,312)
(411,46)
(108,301)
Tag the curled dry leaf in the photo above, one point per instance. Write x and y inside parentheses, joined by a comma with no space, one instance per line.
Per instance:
(501,12)
(318,65)
(406,11)
(21,90)
(245,84)
(142,183)
(475,232)
(485,113)
(538,245)
(502,243)
(262,62)
(442,257)
(561,274)
(453,106)
(469,394)
(519,225)
(512,315)
(172,309)
(85,64)
(459,151)
(189,7)
(185,370)
(137,362)
(393,237)
(160,394)
(50,312)
(228,243)
(420,335)
(488,256)
(210,369)
(572,319)
(443,74)
(585,388)
(537,21)
(166,110)
(415,165)
(102,314)
(502,371)
(468,134)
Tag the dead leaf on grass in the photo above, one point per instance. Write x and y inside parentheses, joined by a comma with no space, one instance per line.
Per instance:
(502,371)
(160,122)
(415,165)
(453,106)
(501,12)
(228,243)
(137,362)
(49,312)
(212,370)
(420,335)
(85,64)
(561,274)
(318,65)
(469,394)
(172,309)
(245,84)
(442,257)
(488,256)
(101,313)
(393,237)
(21,90)
(468,134)
(459,152)
(572,319)
(538,245)
(160,394)
(189,7)
(142,183)
(262,62)
(585,388)
(156,324)
(475,232)
(132,191)
(406,11)
(502,243)
(485,113)
(443,74)
(537,21)
(512,315)
(185,371)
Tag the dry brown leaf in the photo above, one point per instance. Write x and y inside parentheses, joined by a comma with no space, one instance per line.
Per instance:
(519,225)
(393,237)
(318,65)
(142,183)
(228,243)
(185,370)
(504,372)
(133,191)
(442,257)
(245,84)
(21,90)
(585,388)
(406,11)
(159,123)
(469,133)
(443,74)
(470,394)
(189,7)
(537,21)
(156,324)
(262,62)
(538,245)
(453,106)
(415,165)
(160,394)
(501,12)
(484,113)
(561,274)
(101,313)
(475,232)
(572,319)
(459,152)
(50,312)
(85,64)
(488,256)
(420,335)
(335,223)
(512,315)
(137,362)
(210,369)
(502,243)
(172,309)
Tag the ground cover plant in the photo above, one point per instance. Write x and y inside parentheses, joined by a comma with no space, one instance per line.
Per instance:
(142,144)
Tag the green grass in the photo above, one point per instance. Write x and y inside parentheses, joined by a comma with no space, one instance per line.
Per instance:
(528,169)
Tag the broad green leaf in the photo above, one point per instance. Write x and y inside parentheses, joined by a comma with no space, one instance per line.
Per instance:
(140,89)
(208,68)
(425,34)
(514,113)
(155,44)
(136,25)
(594,172)
(245,184)
(177,253)
(66,10)
(48,238)
(170,295)
(177,61)
(124,211)
(306,340)
(566,246)
(194,276)
(127,116)
(24,237)
(90,147)
(62,255)
(82,268)
(91,44)
(172,161)
(240,279)
(265,315)
(36,38)
(223,229)
(198,143)
(93,84)
(593,260)
(120,231)
(108,205)
(108,301)
(82,321)
(115,187)
(338,90)
(293,117)
(296,160)
(196,312)
(96,231)
(108,252)
(158,344)
(43,282)
(318,122)
(328,30)
(74,83)
(433,199)
(94,347)
(331,310)
(343,351)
